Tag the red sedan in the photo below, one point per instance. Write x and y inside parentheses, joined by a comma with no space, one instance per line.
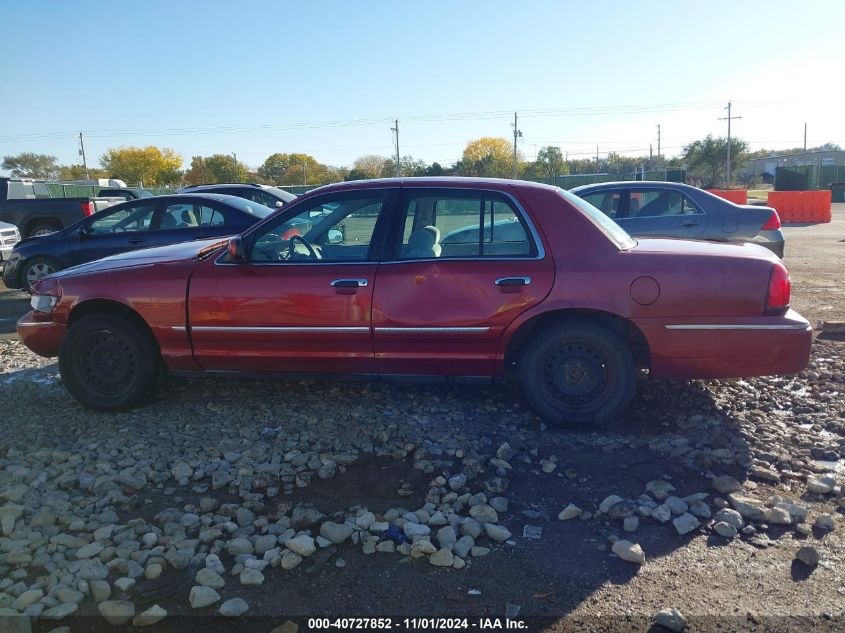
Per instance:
(444,277)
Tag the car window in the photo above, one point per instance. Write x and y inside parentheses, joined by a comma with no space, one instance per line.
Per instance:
(189,216)
(450,224)
(130,218)
(333,228)
(605,201)
(608,227)
(658,203)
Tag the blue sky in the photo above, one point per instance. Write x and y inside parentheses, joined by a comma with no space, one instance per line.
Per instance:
(326,78)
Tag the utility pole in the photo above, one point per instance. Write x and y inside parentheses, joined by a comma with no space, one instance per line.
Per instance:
(395,130)
(235,168)
(304,173)
(729,118)
(658,141)
(805,137)
(597,158)
(82,153)
(516,134)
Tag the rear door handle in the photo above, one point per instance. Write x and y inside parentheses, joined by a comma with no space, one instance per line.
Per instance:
(137,240)
(350,283)
(689,223)
(513,281)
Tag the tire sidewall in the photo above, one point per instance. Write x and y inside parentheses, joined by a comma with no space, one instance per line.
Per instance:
(142,345)
(33,262)
(613,351)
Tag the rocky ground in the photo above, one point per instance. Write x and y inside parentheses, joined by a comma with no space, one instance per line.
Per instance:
(268,502)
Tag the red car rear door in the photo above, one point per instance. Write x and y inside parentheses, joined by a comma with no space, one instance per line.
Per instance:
(447,291)
(302,300)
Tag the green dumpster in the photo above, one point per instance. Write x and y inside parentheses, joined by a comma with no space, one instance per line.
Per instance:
(837,192)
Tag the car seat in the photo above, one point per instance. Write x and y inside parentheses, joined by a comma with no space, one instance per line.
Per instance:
(167,221)
(424,243)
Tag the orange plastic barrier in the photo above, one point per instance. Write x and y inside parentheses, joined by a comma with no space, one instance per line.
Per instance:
(801,206)
(737,196)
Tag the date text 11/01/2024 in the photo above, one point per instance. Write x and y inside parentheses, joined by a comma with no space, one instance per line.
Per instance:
(483,623)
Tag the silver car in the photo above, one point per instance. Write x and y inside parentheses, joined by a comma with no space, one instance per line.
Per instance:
(671,209)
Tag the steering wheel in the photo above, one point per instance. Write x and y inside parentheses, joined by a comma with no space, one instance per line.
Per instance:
(292,245)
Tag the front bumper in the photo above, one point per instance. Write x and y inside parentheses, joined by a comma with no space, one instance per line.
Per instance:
(41,336)
(11,274)
(729,348)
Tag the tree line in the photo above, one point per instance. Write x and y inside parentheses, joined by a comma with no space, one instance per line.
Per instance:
(704,160)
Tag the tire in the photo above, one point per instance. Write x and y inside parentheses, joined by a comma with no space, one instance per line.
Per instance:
(43,228)
(35,268)
(110,363)
(577,373)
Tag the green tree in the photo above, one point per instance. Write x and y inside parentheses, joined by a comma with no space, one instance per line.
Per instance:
(149,165)
(550,161)
(29,165)
(296,169)
(706,159)
(78,172)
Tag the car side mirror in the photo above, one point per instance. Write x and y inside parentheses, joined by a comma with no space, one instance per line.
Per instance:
(334,236)
(237,252)
(279,204)
(83,233)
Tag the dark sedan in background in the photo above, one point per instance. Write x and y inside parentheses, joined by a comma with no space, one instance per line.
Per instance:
(671,209)
(130,226)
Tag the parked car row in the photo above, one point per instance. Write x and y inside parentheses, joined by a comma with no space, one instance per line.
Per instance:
(447,278)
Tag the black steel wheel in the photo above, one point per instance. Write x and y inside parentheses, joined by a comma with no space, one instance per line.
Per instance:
(576,373)
(110,363)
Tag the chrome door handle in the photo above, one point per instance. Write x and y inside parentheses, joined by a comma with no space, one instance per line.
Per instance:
(688,223)
(513,281)
(350,283)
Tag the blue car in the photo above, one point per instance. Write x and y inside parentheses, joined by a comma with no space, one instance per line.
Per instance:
(129,226)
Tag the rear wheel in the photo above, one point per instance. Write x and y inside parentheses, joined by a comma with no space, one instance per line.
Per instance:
(577,373)
(110,363)
(44,228)
(34,269)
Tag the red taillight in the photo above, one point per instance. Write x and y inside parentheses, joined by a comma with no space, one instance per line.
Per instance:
(773,223)
(777,299)
(87,208)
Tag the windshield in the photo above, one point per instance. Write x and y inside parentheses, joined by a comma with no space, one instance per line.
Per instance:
(607,226)
(284,196)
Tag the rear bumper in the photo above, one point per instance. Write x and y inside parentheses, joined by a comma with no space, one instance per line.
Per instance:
(42,337)
(729,348)
(773,240)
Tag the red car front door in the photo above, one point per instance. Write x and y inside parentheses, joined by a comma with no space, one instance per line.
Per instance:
(301,302)
(443,300)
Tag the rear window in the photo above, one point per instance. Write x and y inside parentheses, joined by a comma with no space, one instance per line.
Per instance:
(607,226)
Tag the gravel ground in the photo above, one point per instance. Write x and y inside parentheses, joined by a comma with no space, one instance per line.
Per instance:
(720,499)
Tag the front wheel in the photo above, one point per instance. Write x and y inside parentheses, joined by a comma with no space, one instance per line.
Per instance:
(577,373)
(110,363)
(36,268)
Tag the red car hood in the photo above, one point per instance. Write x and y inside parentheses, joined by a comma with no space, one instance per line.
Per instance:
(696,247)
(145,257)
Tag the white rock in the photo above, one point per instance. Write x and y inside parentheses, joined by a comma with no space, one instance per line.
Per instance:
(116,611)
(234,608)
(202,597)
(251,577)
(569,512)
(303,545)
(497,533)
(153,615)
(685,523)
(484,513)
(608,503)
(442,558)
(659,489)
(628,551)
(672,619)
(209,578)
(337,533)
(821,485)
(290,560)
(725,529)
(415,529)
(630,524)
